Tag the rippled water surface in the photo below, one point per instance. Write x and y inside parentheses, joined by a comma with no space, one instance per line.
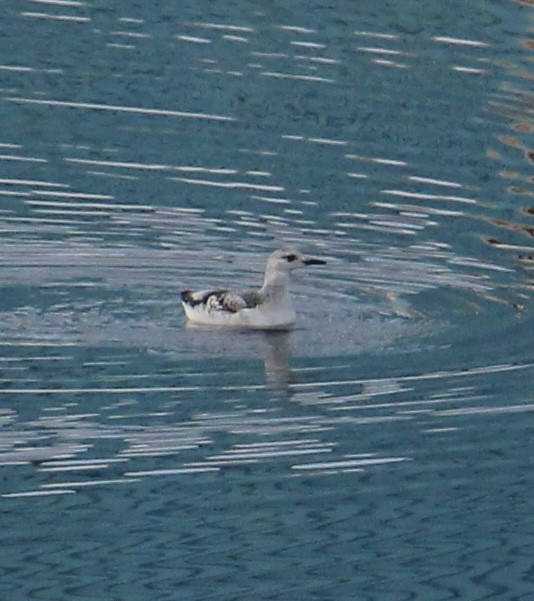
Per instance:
(383,449)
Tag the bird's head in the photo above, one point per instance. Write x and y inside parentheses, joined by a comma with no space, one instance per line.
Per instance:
(284,260)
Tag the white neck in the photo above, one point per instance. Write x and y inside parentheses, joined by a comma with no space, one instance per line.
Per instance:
(275,285)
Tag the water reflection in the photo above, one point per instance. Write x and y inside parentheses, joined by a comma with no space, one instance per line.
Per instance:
(120,427)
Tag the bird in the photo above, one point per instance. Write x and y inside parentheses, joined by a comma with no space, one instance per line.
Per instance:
(269,308)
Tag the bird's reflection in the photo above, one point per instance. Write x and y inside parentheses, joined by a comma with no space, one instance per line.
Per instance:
(276,360)
(272,346)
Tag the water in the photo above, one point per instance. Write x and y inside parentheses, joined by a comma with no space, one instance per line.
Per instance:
(380,451)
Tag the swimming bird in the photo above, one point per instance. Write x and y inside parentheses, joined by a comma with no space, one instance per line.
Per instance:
(269,308)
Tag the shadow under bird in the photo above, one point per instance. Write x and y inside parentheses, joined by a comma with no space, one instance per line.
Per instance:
(269,308)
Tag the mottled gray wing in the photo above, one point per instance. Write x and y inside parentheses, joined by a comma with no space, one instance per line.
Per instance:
(251,298)
(215,300)
(227,301)
(221,300)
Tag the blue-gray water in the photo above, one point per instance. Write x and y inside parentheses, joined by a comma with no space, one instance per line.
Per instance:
(383,450)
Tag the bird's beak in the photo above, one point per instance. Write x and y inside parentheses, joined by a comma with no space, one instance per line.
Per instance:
(312,261)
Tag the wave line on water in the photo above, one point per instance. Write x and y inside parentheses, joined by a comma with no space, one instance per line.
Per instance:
(24,69)
(378,50)
(96,390)
(36,15)
(485,410)
(348,463)
(37,493)
(173,471)
(376,34)
(423,196)
(193,39)
(270,454)
(152,166)
(469,70)
(128,390)
(279,75)
(297,29)
(95,106)
(435,182)
(219,26)
(435,375)
(32,182)
(80,195)
(89,205)
(76,3)
(307,44)
(317,59)
(231,185)
(85,483)
(16,157)
(459,41)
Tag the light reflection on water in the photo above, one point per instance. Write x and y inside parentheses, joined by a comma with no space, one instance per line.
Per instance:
(180,415)
(391,427)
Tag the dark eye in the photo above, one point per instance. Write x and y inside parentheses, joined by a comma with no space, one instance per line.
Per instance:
(291,258)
